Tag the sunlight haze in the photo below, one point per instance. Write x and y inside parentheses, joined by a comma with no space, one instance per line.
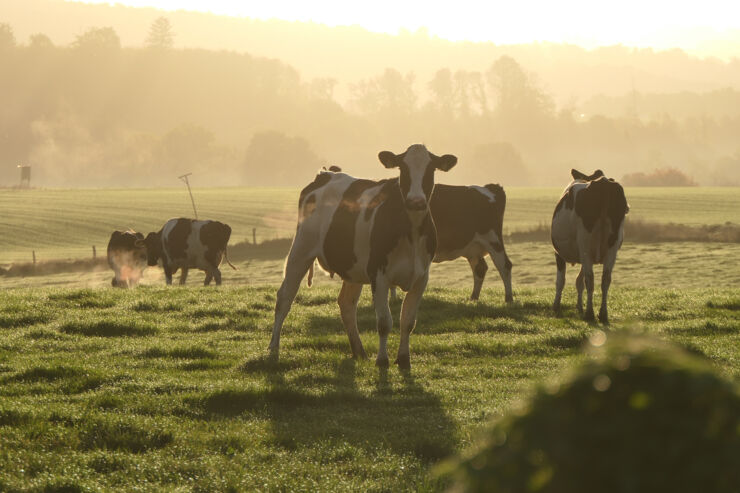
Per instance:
(657,24)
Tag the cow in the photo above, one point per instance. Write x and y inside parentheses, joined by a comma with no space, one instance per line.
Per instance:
(367,232)
(469,221)
(587,229)
(127,257)
(188,243)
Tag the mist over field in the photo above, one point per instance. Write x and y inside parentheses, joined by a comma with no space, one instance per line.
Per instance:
(122,97)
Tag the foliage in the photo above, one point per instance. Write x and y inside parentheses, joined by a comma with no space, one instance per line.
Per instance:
(644,416)
(160,35)
(274,159)
(664,177)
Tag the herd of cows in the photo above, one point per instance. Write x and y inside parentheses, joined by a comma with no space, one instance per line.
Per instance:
(386,233)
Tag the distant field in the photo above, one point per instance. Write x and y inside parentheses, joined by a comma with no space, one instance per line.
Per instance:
(66,223)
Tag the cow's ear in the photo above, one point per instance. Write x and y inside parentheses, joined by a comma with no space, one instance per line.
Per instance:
(577,175)
(445,163)
(597,174)
(388,159)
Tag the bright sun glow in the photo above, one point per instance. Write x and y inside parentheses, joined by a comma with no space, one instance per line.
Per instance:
(660,24)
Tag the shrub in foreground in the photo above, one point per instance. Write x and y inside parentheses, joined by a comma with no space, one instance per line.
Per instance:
(643,416)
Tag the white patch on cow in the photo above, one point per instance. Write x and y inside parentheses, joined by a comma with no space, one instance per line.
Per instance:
(485,192)
(195,251)
(417,160)
(565,224)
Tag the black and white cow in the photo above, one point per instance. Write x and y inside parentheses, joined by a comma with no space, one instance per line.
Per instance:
(127,257)
(367,232)
(188,243)
(587,229)
(469,222)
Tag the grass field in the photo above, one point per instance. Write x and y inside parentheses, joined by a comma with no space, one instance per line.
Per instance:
(169,389)
(66,223)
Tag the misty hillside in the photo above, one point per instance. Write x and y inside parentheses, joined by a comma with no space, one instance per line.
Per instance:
(116,97)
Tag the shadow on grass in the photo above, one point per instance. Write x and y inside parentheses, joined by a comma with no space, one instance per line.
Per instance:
(399,414)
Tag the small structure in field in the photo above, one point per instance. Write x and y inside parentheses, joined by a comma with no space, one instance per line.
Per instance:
(25,176)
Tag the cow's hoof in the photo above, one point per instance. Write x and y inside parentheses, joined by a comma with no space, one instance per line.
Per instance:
(382,362)
(403,361)
(603,317)
(556,308)
(580,309)
(589,316)
(510,298)
(361,354)
(473,297)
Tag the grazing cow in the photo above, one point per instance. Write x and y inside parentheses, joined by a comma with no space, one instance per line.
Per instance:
(188,243)
(469,223)
(127,258)
(368,232)
(588,228)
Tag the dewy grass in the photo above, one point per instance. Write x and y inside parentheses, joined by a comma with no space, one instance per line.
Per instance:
(142,394)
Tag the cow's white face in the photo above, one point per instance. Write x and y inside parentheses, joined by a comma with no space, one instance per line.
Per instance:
(417,166)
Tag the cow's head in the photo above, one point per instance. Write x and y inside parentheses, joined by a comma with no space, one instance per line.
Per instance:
(417,166)
(153,243)
(577,175)
(127,253)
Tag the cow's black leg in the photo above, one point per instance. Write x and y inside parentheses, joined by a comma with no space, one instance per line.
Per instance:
(580,284)
(208,278)
(217,276)
(408,320)
(479,267)
(183,275)
(504,266)
(348,298)
(384,320)
(606,279)
(559,282)
(168,274)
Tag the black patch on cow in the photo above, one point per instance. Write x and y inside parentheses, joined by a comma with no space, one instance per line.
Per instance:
(125,242)
(214,236)
(340,238)
(560,262)
(319,181)
(577,175)
(427,183)
(176,242)
(335,169)
(460,212)
(154,251)
(508,263)
(602,198)
(481,267)
(565,201)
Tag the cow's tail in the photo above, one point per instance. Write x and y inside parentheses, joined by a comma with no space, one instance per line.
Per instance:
(226,257)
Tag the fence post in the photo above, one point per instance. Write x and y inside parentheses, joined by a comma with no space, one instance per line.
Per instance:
(254,236)
(94,253)
(33,252)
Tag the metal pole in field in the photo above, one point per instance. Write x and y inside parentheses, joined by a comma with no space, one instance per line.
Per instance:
(187,182)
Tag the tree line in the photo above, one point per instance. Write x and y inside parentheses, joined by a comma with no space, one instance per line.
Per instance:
(95,113)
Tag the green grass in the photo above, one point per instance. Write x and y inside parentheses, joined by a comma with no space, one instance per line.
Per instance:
(170,389)
(66,223)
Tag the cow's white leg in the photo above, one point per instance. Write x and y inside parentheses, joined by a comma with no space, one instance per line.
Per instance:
(579,287)
(408,320)
(295,269)
(183,275)
(479,267)
(606,280)
(503,265)
(384,320)
(349,295)
(559,281)
(588,275)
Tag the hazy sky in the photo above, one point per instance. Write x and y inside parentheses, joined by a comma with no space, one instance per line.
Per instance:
(694,26)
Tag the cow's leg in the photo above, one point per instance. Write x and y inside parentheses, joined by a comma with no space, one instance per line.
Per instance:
(479,267)
(579,287)
(209,276)
(217,276)
(167,273)
(349,295)
(296,268)
(559,282)
(384,320)
(606,280)
(503,265)
(408,320)
(588,275)
(183,275)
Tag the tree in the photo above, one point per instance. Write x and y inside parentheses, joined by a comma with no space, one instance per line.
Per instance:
(391,94)
(7,38)
(40,41)
(274,158)
(518,96)
(160,35)
(98,40)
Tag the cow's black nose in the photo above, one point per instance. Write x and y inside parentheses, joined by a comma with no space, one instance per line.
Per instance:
(417,204)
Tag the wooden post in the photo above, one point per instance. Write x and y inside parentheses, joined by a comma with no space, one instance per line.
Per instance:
(254,236)
(33,252)
(94,253)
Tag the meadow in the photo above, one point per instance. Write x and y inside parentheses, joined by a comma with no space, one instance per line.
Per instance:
(170,389)
(66,223)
